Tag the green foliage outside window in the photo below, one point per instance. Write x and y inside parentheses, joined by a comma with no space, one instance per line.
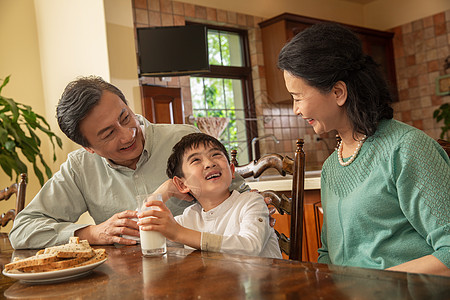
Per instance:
(214,97)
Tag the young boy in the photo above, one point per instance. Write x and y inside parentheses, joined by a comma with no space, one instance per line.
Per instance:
(221,220)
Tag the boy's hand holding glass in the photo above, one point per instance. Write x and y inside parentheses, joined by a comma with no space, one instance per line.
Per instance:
(152,242)
(158,218)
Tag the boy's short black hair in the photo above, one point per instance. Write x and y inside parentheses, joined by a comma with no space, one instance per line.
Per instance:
(190,141)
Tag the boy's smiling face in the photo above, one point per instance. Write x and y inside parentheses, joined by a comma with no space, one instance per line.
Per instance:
(207,173)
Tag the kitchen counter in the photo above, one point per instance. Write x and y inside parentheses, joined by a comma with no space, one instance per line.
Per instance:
(284,183)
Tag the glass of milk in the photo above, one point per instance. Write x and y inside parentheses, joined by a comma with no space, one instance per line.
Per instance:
(152,242)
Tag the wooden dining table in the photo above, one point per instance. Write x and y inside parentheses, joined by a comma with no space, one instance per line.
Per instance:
(189,274)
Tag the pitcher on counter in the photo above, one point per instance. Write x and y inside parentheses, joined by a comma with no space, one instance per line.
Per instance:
(386,189)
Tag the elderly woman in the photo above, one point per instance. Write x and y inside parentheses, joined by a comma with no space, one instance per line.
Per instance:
(386,189)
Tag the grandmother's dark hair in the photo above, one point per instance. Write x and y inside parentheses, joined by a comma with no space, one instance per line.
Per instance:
(190,141)
(77,100)
(326,53)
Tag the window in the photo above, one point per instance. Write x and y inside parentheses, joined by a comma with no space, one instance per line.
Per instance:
(227,91)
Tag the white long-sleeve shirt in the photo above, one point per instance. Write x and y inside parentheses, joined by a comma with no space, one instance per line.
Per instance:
(239,225)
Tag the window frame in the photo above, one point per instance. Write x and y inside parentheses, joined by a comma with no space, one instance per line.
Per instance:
(244,74)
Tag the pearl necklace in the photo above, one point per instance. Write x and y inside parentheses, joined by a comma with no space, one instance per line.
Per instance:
(352,158)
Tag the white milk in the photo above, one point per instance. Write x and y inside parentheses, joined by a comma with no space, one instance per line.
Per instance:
(152,243)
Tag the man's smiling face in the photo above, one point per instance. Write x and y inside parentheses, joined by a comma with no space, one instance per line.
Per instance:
(113,131)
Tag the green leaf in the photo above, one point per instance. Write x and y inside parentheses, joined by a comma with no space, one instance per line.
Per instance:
(13,107)
(3,135)
(7,164)
(10,145)
(30,118)
(48,172)
(38,174)
(20,166)
(29,153)
(5,82)
(33,135)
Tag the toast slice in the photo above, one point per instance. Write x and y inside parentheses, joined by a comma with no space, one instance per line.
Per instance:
(37,260)
(55,266)
(100,254)
(71,250)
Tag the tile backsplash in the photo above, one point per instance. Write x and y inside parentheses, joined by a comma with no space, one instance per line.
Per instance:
(420,50)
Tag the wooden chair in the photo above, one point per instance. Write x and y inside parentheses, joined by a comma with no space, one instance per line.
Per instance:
(446,145)
(18,189)
(293,206)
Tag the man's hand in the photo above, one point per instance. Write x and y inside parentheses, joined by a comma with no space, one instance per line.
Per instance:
(272,209)
(111,231)
(167,189)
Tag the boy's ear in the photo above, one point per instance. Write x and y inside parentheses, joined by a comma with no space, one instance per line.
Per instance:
(232,168)
(178,182)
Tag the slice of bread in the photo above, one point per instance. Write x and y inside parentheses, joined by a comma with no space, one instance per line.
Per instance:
(100,254)
(37,260)
(71,250)
(54,266)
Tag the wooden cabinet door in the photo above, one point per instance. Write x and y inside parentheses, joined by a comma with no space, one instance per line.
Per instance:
(273,39)
(277,31)
(162,104)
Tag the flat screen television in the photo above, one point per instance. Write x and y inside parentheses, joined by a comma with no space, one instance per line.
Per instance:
(173,50)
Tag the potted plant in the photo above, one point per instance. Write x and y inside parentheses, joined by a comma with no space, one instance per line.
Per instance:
(443,113)
(18,127)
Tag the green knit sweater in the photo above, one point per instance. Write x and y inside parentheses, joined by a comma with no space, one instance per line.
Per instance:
(391,204)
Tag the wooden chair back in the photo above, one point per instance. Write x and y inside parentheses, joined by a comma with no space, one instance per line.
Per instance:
(16,188)
(293,206)
(446,145)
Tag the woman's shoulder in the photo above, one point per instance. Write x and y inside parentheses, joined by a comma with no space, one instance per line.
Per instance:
(404,137)
(395,130)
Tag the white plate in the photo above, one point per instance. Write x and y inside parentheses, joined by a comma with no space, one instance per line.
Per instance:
(53,276)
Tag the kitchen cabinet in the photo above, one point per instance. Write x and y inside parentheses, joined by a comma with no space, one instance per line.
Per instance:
(280,29)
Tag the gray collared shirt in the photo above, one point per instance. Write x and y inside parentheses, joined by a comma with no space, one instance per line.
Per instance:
(88,182)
